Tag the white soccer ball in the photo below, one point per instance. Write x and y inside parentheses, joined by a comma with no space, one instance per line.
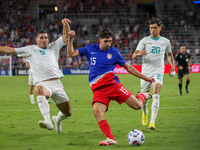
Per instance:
(135,137)
(173,73)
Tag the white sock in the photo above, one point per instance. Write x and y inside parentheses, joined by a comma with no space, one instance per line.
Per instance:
(60,116)
(44,107)
(144,108)
(155,107)
(32,97)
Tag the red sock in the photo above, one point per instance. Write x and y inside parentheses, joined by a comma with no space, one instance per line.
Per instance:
(105,128)
(142,97)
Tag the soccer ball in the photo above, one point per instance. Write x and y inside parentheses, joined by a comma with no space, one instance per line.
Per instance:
(135,137)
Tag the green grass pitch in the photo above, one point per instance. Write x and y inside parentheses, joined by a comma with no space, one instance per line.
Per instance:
(177,123)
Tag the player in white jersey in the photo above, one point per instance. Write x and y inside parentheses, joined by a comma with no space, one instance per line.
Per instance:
(153,49)
(43,60)
(31,84)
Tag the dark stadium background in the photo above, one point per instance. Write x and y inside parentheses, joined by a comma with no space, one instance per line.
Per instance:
(128,19)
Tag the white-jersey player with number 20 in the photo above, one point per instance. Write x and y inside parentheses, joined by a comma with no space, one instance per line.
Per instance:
(153,49)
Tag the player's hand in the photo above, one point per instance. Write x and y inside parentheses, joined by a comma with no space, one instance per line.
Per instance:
(150,79)
(180,68)
(71,34)
(190,68)
(143,52)
(65,21)
(171,72)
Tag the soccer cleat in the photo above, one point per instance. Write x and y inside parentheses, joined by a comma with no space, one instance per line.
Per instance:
(147,95)
(145,119)
(57,124)
(180,94)
(138,92)
(107,142)
(187,91)
(152,126)
(46,124)
(33,102)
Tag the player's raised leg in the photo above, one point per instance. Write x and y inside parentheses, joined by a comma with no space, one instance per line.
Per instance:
(138,101)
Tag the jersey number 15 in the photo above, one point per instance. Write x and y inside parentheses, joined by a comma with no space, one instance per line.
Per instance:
(93,60)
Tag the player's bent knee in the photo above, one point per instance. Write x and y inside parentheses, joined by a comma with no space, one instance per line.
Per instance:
(138,106)
(39,90)
(134,103)
(68,114)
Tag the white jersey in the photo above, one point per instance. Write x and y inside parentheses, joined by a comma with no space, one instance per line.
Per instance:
(153,62)
(43,62)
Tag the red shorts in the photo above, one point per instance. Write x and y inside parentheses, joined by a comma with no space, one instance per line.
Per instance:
(115,92)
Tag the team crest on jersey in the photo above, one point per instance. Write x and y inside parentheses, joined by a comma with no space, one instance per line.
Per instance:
(109,56)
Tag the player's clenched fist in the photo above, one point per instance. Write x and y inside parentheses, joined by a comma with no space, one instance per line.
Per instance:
(71,34)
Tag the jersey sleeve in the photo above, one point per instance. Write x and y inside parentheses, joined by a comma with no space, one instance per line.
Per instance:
(83,50)
(57,45)
(168,49)
(141,45)
(23,51)
(120,59)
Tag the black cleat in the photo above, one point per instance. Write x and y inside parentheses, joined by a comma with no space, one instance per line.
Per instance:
(180,94)
(187,91)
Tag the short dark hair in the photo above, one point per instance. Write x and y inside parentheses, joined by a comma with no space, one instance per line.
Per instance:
(155,20)
(106,33)
(41,31)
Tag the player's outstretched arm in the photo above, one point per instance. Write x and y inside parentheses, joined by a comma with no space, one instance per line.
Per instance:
(7,50)
(136,73)
(66,29)
(70,48)
(138,53)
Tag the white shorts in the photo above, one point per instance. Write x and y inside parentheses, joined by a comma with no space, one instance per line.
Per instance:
(30,78)
(146,86)
(56,89)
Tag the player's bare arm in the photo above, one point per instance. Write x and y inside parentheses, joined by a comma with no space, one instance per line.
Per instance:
(138,53)
(7,50)
(136,73)
(70,48)
(170,59)
(66,29)
(27,65)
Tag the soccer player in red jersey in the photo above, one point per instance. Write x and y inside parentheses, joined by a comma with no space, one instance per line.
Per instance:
(103,59)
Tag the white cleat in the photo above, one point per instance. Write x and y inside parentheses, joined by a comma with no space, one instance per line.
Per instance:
(46,124)
(57,124)
(147,95)
(33,102)
(107,142)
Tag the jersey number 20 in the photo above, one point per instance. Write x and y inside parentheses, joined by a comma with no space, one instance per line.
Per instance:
(155,50)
